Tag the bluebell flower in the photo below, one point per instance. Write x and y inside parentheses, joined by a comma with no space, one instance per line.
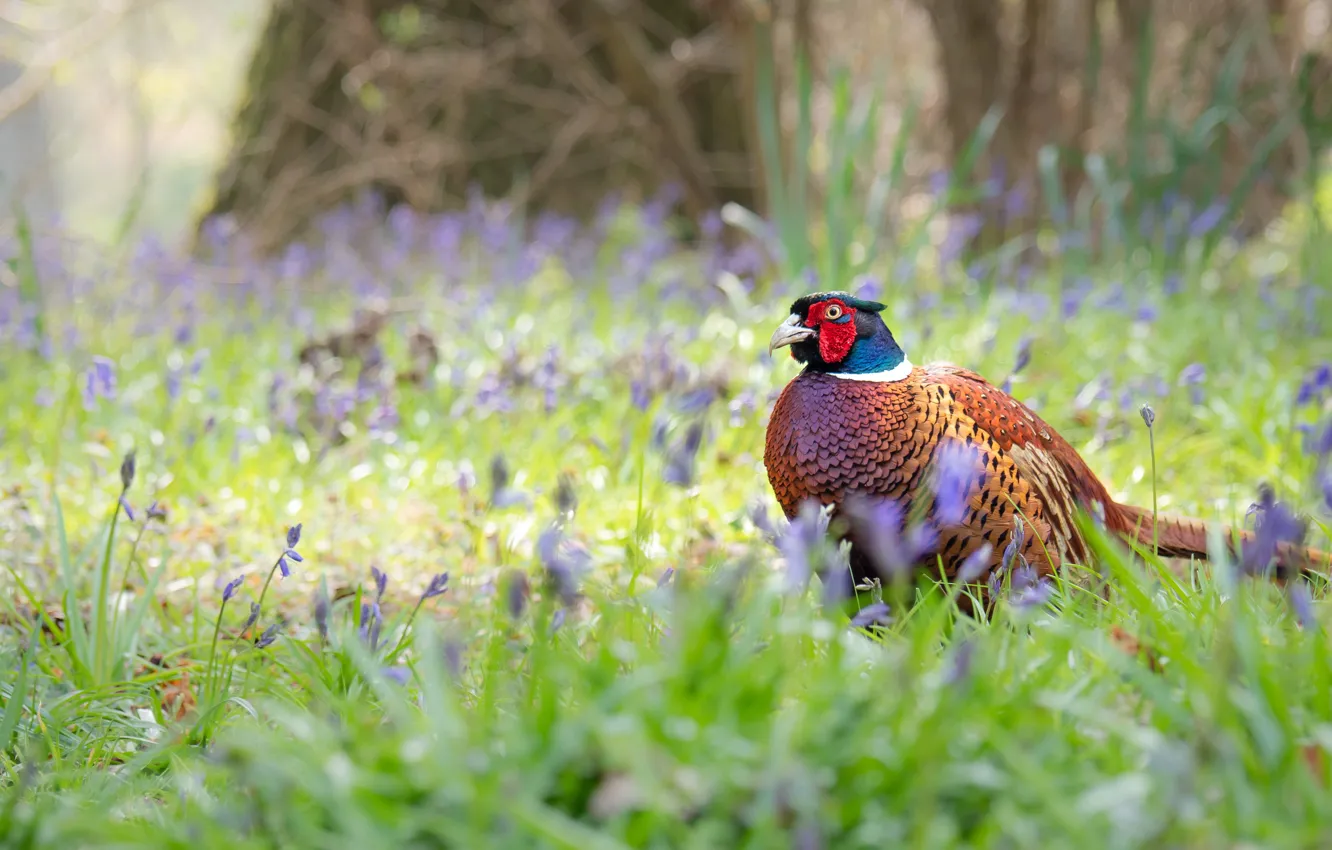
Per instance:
(438,584)
(974,564)
(1315,383)
(231,588)
(399,674)
(958,467)
(1192,376)
(1148,415)
(1301,602)
(283,566)
(873,614)
(1014,549)
(253,618)
(293,536)
(322,604)
(665,577)
(800,540)
(561,563)
(516,594)
(372,621)
(959,667)
(381,582)
(681,463)
(129,511)
(880,523)
(104,377)
(1207,220)
(1033,595)
(269,635)
(1274,525)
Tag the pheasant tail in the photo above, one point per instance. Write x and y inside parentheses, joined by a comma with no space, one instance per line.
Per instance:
(1183,537)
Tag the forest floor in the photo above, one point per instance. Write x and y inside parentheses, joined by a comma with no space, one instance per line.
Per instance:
(543,596)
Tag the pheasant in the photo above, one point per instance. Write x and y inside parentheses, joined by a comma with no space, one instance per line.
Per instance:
(861,420)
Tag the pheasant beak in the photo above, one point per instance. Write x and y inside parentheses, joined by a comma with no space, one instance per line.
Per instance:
(788,332)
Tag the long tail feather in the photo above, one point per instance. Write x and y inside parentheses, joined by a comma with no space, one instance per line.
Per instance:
(1183,537)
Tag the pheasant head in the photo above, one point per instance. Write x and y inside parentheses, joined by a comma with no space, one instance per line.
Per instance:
(837,333)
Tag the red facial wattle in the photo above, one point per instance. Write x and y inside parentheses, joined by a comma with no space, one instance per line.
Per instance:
(836,336)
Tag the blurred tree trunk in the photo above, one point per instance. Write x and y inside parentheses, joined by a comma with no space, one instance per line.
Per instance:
(553,103)
(1049,67)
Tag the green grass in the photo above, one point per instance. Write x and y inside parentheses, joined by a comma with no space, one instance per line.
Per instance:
(719,709)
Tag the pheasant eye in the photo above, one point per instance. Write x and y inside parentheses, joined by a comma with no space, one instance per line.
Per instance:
(832,312)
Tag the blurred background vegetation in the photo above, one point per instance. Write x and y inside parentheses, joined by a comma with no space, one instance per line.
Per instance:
(123,115)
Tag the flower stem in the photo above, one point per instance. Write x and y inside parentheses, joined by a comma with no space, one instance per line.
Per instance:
(269,580)
(212,655)
(102,630)
(1151,442)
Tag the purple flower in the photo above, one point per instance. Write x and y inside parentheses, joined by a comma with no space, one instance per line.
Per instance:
(871,615)
(293,536)
(321,610)
(974,564)
(959,466)
(556,620)
(639,395)
(1033,595)
(372,621)
(665,577)
(870,288)
(104,377)
(1148,415)
(253,618)
(1207,220)
(1297,594)
(1274,524)
(381,582)
(1326,485)
(270,634)
(516,595)
(283,566)
(438,584)
(1192,376)
(960,667)
(399,675)
(562,563)
(799,541)
(681,463)
(1014,548)
(230,590)
(129,511)
(1315,383)
(880,522)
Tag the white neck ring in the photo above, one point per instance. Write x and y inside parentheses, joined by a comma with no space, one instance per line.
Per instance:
(897,373)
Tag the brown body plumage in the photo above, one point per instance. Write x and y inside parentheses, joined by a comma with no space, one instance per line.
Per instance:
(831,436)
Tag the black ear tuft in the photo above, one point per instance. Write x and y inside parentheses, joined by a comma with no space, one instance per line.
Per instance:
(862,304)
